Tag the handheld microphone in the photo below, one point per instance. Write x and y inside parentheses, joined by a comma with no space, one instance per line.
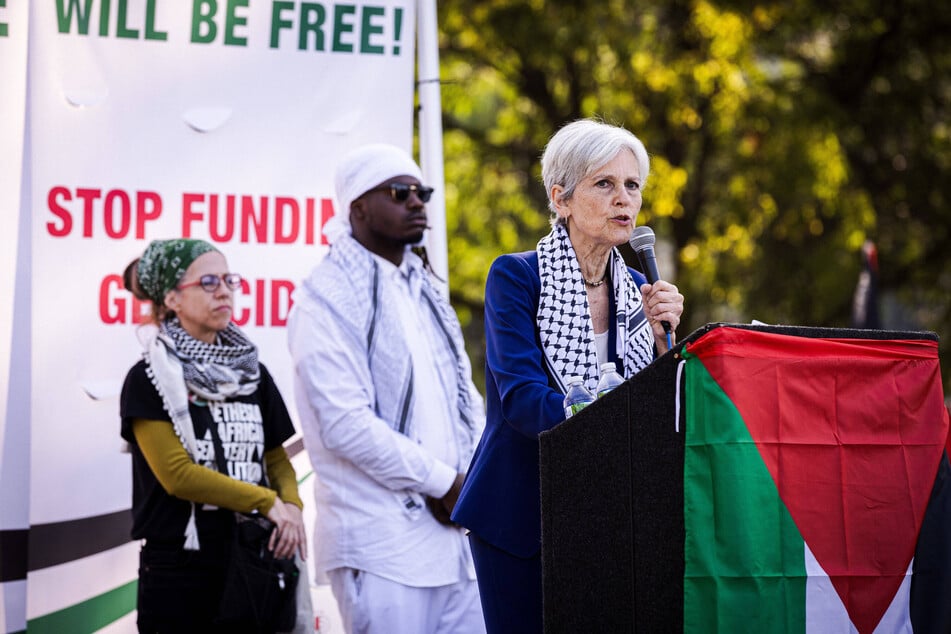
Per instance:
(642,241)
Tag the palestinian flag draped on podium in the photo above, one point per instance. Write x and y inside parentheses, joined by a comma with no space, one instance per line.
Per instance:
(816,485)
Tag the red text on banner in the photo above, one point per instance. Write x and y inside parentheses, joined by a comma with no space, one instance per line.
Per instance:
(117,212)
(260,302)
(255,219)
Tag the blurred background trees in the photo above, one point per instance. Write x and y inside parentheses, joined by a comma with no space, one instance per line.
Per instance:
(783,136)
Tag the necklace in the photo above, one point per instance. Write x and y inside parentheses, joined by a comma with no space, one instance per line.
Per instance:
(597,283)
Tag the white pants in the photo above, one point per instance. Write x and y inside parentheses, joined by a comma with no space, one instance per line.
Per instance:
(370,604)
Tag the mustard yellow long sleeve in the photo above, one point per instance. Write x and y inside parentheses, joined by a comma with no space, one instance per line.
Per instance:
(184,479)
(281,475)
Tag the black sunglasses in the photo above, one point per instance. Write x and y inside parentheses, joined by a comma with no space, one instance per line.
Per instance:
(400,192)
(211,282)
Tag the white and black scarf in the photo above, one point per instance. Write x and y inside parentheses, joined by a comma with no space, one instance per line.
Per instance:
(564,321)
(215,371)
(349,285)
(178,364)
(356,293)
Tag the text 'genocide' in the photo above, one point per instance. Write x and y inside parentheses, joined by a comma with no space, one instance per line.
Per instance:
(259,302)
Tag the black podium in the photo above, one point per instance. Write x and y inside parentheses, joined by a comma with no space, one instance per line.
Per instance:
(612,491)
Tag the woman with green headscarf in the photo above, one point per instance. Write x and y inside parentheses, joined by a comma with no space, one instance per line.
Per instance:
(206,426)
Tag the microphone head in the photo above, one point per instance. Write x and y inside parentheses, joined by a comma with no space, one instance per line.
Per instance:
(642,238)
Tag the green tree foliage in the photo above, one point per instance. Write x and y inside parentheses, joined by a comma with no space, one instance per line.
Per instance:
(782,136)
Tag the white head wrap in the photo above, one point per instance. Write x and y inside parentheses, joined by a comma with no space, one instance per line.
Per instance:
(361,170)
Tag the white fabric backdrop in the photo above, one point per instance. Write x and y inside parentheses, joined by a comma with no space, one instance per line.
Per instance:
(144,122)
(14,439)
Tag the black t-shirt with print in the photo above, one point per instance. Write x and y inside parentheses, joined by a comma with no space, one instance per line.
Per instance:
(248,427)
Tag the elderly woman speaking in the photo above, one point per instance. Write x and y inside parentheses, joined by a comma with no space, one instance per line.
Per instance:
(552,313)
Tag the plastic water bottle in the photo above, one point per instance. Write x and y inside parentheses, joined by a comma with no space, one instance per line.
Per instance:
(610,378)
(577,397)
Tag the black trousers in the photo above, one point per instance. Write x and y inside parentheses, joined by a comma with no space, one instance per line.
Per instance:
(179,590)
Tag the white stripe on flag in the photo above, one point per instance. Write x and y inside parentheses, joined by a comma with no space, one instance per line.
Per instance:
(897,618)
(825,611)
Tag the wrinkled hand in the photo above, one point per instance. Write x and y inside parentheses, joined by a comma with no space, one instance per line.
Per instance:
(662,302)
(441,508)
(289,533)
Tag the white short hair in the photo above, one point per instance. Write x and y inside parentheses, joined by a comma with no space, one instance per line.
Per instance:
(580,148)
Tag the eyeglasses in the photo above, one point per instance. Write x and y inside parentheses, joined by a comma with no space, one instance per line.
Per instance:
(400,192)
(211,282)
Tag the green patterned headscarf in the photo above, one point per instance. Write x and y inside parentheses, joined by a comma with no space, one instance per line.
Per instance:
(164,263)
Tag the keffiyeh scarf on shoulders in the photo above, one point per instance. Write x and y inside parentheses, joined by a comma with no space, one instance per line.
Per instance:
(178,364)
(355,292)
(564,320)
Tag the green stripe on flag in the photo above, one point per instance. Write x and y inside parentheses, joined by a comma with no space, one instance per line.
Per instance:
(744,556)
(88,616)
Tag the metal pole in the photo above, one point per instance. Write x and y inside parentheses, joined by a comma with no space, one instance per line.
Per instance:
(430,135)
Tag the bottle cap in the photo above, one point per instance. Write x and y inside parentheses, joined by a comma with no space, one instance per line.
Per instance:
(575,379)
(609,366)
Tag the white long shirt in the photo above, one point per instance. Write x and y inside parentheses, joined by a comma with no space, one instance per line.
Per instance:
(370,478)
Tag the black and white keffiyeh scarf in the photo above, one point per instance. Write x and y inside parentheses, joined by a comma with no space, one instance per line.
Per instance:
(177,364)
(214,372)
(564,321)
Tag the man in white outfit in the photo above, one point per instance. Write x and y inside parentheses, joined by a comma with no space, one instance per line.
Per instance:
(389,412)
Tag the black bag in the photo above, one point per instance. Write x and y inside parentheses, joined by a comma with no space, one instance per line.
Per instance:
(260,591)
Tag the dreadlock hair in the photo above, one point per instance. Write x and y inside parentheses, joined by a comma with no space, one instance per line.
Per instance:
(421,252)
